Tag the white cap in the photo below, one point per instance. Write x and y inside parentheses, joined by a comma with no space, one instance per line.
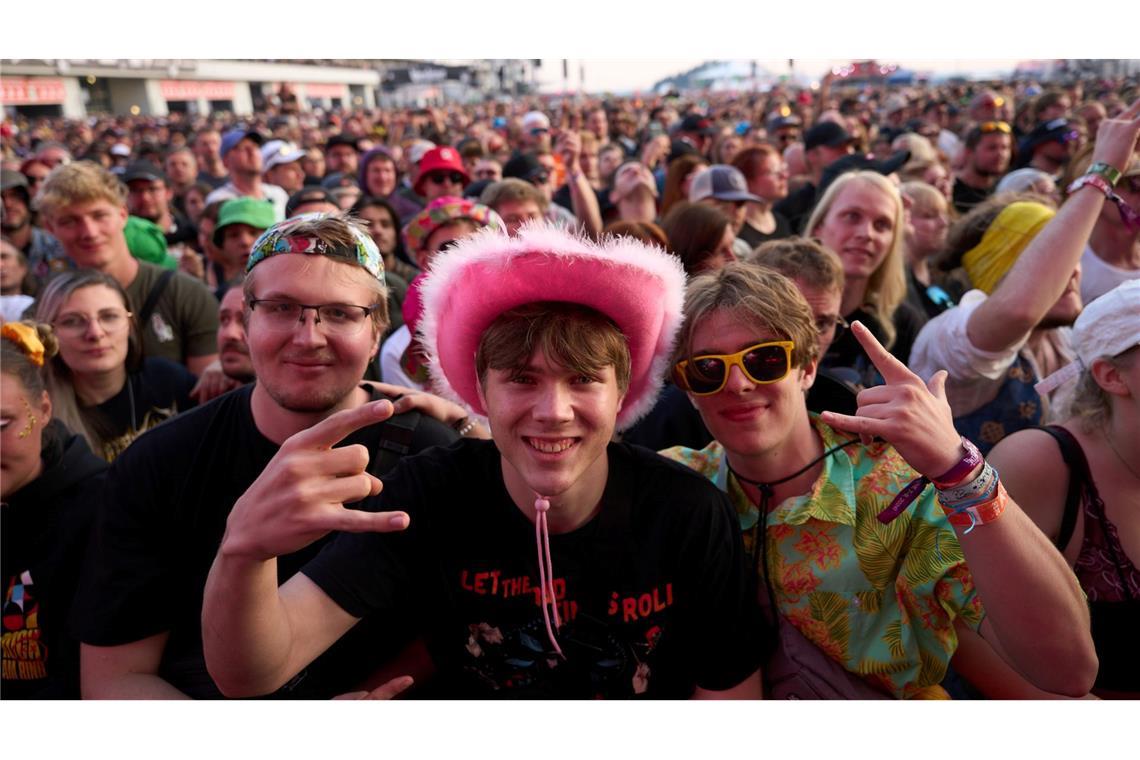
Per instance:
(277,152)
(1108,326)
(118,149)
(535,120)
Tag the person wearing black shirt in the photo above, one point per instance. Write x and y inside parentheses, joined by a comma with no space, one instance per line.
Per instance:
(167,499)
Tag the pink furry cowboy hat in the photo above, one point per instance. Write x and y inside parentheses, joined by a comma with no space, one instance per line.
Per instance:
(640,287)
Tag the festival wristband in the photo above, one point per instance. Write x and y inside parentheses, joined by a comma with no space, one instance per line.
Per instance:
(981,514)
(951,477)
(1095,180)
(1109,172)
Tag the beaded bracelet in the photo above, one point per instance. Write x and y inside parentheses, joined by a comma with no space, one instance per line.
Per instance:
(464,426)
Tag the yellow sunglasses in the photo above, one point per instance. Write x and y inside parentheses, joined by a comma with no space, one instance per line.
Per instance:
(763,363)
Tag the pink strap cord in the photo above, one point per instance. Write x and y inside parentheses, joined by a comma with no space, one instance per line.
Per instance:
(546,569)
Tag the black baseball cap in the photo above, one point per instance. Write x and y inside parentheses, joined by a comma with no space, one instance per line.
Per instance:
(861,162)
(826,133)
(143,170)
(308,194)
(694,122)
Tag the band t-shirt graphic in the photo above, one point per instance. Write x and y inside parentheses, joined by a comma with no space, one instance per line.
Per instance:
(653,593)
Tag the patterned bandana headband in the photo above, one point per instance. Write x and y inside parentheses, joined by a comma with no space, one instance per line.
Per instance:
(27,339)
(278,239)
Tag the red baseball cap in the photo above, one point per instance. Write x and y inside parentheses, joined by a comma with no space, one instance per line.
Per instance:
(445,158)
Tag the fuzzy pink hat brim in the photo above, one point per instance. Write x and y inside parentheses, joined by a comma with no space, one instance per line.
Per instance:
(640,287)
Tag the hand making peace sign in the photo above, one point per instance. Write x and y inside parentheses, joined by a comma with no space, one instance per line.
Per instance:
(300,496)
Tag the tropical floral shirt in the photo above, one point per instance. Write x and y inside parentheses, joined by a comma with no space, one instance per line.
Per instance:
(879,599)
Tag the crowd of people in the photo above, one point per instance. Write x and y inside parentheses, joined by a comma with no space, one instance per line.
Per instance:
(797,394)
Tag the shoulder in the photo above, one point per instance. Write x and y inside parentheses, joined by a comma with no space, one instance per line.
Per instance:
(1034,472)
(669,475)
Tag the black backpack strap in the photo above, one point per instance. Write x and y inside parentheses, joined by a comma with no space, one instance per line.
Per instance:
(396,434)
(1078,475)
(153,296)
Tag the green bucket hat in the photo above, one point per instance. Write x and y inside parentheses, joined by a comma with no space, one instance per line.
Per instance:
(256,213)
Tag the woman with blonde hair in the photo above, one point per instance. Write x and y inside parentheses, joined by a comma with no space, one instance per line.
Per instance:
(860,218)
(929,220)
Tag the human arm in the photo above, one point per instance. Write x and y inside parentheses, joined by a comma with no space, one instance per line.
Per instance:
(255,635)
(976,660)
(1043,270)
(583,201)
(198,365)
(212,382)
(1035,609)
(126,671)
(437,407)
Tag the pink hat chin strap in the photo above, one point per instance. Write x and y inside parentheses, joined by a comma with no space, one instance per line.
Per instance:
(546,569)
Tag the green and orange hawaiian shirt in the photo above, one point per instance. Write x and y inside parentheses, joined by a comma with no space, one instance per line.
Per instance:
(879,599)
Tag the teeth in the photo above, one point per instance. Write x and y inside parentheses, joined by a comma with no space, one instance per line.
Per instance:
(551,447)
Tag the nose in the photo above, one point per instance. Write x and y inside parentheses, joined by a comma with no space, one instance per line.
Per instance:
(553,403)
(231,330)
(308,332)
(94,330)
(738,382)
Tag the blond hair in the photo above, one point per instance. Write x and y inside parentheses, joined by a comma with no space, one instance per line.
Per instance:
(886,288)
(760,296)
(79,182)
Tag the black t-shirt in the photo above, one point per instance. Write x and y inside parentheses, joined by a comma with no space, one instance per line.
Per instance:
(966,197)
(159,390)
(797,207)
(163,515)
(845,351)
(755,237)
(654,593)
(46,526)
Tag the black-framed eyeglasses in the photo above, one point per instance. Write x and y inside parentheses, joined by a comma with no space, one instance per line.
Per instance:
(440,177)
(333,318)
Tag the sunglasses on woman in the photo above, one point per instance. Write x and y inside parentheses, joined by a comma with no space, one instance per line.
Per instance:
(762,363)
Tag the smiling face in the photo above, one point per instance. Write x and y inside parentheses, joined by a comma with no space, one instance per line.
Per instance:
(552,425)
(304,369)
(860,228)
(91,232)
(749,419)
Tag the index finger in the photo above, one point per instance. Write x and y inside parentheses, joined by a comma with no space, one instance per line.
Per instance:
(892,370)
(335,428)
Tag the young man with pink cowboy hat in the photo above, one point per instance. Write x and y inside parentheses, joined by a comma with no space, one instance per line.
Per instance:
(549,562)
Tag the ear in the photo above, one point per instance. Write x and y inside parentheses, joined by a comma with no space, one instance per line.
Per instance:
(808,375)
(1110,379)
(479,392)
(45,408)
(123,214)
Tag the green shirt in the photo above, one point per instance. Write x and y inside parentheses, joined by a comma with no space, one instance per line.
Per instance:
(879,599)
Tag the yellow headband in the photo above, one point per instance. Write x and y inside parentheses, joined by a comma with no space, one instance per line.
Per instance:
(988,261)
(27,339)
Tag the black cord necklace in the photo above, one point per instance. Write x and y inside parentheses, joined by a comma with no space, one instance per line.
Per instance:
(760,529)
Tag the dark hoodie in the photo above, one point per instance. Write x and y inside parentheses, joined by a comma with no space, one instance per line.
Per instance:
(45,529)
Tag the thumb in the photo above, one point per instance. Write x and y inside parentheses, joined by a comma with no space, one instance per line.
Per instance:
(937,384)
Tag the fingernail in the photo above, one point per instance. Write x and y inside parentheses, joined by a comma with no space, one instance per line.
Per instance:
(398,520)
